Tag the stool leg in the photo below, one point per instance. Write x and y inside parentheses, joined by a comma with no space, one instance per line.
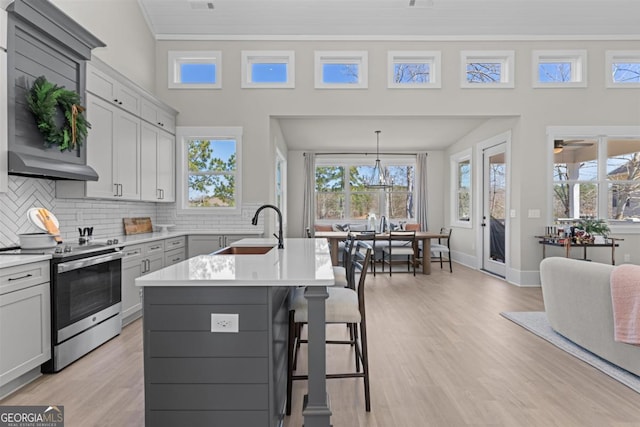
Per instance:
(365,364)
(291,345)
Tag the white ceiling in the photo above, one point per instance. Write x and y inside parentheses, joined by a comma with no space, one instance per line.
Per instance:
(341,134)
(211,19)
(388,20)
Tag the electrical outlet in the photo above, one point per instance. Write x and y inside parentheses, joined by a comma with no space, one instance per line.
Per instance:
(225,322)
(627,258)
(78,216)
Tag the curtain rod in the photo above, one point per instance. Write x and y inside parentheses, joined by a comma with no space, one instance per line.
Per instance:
(365,154)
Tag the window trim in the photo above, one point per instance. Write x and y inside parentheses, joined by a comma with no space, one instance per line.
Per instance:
(507,74)
(578,59)
(183,135)
(454,161)
(177,57)
(613,56)
(593,132)
(250,57)
(338,57)
(346,162)
(433,58)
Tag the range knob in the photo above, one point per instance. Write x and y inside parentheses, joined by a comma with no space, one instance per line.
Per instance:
(67,249)
(57,250)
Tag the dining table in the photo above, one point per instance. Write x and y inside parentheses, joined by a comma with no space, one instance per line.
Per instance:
(335,237)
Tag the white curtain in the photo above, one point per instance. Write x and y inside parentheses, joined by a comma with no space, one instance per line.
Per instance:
(421,177)
(309,209)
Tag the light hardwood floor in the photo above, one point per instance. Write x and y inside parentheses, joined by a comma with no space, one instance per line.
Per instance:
(440,355)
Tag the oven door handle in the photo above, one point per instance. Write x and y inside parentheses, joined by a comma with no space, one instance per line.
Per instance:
(86,262)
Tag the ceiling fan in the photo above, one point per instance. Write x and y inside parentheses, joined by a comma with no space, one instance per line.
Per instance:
(559,144)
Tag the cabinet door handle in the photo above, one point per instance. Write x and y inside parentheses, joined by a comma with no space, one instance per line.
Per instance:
(116,190)
(120,190)
(21,277)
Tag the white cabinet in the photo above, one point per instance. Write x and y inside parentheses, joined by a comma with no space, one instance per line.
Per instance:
(206,243)
(158,116)
(157,168)
(112,90)
(113,150)
(137,261)
(174,250)
(25,320)
(132,267)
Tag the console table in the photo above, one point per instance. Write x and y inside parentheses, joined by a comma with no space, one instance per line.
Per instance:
(567,244)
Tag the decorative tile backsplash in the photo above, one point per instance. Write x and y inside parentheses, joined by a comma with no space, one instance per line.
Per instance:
(104,215)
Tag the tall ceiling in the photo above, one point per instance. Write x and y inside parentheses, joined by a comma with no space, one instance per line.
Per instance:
(220,19)
(388,20)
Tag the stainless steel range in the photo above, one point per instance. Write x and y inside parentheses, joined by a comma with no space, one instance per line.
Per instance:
(85,298)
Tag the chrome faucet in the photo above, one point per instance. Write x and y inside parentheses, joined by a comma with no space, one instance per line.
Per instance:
(254,221)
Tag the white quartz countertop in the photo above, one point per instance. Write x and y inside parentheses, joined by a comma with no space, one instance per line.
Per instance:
(13,260)
(302,262)
(134,239)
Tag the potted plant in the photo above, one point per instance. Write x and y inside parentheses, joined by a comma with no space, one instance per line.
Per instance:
(595,227)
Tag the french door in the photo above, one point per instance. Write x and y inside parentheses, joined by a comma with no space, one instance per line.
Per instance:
(494,209)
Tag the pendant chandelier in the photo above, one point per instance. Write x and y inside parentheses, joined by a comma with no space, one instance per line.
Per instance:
(378,177)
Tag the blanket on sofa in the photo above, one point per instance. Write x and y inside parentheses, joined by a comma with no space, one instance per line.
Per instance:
(625,297)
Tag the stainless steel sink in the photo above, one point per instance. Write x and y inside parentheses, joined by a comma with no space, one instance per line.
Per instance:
(243,250)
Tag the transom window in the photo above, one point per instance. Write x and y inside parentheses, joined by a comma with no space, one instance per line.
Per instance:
(490,69)
(414,69)
(623,69)
(209,160)
(597,177)
(341,70)
(554,69)
(195,69)
(268,69)
(342,193)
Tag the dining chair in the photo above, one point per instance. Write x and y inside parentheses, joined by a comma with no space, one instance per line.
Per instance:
(401,243)
(443,247)
(344,305)
(370,236)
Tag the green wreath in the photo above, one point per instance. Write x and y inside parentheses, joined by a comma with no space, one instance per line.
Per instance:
(44,99)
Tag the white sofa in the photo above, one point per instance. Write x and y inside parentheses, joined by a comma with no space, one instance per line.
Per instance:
(577,299)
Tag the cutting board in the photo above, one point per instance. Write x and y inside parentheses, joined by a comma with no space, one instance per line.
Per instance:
(137,225)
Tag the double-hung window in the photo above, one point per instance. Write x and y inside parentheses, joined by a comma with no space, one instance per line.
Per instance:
(209,161)
(342,191)
(461,183)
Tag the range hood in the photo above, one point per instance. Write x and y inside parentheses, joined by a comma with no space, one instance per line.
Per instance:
(44,41)
(40,167)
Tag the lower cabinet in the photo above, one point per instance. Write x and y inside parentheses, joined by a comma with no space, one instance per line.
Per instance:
(197,377)
(25,323)
(141,259)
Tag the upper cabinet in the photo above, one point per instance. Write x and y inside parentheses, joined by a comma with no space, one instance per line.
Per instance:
(112,90)
(131,143)
(158,116)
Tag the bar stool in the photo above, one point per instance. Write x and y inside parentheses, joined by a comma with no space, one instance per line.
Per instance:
(344,305)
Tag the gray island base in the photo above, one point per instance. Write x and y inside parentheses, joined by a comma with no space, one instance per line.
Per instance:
(237,377)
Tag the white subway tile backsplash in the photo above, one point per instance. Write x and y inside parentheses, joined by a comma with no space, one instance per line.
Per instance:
(104,215)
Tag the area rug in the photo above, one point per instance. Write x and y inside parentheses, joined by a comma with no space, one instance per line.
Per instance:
(536,322)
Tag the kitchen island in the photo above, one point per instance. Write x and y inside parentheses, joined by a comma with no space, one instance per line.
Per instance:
(237,374)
